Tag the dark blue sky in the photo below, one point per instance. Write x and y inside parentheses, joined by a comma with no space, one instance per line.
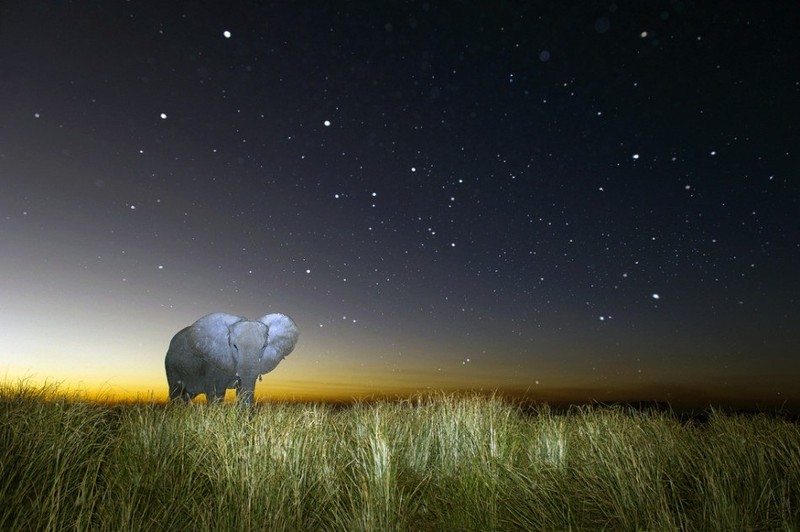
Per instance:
(583,202)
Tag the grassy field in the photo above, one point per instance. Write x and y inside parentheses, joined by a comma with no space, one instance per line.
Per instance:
(435,463)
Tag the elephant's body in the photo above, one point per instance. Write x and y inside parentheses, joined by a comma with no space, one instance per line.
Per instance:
(189,374)
(222,351)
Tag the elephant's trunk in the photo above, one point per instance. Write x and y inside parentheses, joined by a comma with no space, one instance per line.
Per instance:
(245,396)
(248,375)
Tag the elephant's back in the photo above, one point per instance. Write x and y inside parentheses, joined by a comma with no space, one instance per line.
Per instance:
(179,341)
(179,349)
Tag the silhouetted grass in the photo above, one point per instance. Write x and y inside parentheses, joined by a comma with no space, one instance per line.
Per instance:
(441,462)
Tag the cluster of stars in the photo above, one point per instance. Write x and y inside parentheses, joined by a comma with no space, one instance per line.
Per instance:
(466,176)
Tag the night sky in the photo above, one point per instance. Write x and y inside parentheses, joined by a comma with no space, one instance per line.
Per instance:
(573,203)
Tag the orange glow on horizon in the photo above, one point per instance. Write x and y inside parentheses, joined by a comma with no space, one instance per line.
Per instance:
(336,372)
(343,393)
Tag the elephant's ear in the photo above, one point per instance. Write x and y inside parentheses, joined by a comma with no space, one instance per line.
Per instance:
(210,339)
(282,338)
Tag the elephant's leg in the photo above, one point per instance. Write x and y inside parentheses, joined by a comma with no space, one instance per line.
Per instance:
(212,397)
(178,392)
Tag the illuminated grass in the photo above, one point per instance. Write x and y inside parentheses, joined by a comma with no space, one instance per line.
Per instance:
(443,462)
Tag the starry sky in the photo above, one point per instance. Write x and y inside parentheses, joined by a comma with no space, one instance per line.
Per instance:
(589,201)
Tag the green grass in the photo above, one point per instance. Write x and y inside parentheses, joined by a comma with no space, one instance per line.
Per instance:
(443,462)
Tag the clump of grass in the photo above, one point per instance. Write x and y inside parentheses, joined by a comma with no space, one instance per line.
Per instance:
(750,469)
(51,465)
(436,462)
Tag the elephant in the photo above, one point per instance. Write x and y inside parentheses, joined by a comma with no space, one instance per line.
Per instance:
(221,351)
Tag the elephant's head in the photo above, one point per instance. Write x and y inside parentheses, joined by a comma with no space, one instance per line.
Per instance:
(248,341)
(242,350)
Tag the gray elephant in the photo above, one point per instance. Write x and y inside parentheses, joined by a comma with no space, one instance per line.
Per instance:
(221,351)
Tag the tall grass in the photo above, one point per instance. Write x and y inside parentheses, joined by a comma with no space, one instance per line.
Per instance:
(442,462)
